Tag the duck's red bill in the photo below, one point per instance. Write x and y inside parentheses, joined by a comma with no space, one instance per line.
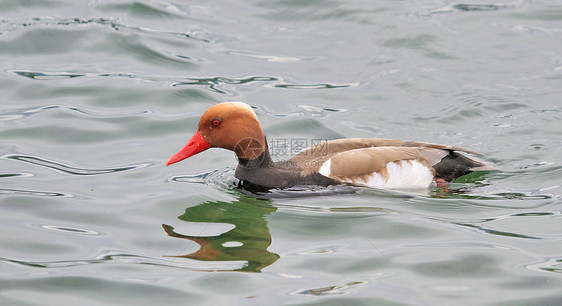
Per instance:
(196,144)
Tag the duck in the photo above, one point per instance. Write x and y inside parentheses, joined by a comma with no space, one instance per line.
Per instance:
(362,162)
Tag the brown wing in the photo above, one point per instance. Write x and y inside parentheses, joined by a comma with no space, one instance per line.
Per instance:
(330,147)
(368,160)
(358,156)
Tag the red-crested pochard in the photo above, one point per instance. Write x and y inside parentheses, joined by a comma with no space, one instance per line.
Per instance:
(378,163)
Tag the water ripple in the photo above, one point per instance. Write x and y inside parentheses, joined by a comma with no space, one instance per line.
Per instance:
(331,290)
(497,232)
(220,179)
(549,265)
(60,167)
(26,112)
(472,192)
(205,177)
(477,7)
(107,257)
(71,230)
(45,76)
(5,175)
(4,191)
(314,86)
(304,109)
(468,7)
(224,180)
(268,58)
(214,83)
(198,35)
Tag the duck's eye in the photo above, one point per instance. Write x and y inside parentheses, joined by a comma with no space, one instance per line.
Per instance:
(216,122)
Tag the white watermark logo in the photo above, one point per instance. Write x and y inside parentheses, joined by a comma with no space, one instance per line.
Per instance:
(287,147)
(281,149)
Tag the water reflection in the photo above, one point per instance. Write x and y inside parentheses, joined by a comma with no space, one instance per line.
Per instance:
(247,241)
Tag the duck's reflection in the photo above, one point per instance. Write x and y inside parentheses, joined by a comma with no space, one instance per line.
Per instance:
(247,241)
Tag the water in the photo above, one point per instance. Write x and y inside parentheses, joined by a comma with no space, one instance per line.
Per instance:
(96,95)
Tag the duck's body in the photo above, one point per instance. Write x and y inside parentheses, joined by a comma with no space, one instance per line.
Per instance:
(378,163)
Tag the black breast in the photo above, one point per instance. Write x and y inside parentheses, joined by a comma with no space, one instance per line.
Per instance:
(264,172)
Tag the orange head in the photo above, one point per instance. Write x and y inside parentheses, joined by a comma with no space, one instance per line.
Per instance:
(229,125)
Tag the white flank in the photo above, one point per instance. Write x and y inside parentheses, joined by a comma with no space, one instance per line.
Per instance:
(325,169)
(409,174)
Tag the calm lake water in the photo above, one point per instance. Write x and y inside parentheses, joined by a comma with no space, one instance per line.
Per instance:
(96,95)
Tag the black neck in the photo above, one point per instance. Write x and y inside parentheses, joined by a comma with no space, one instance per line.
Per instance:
(264,160)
